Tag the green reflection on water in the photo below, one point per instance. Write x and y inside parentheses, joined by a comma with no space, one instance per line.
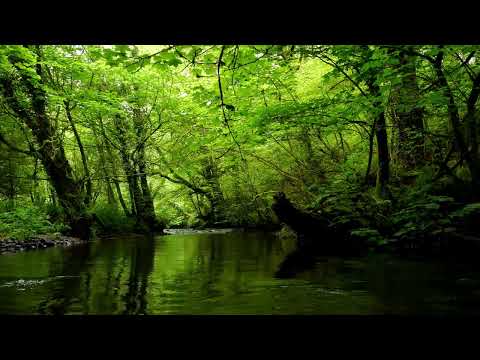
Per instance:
(232,273)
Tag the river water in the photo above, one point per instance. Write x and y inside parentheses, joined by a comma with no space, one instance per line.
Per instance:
(226,273)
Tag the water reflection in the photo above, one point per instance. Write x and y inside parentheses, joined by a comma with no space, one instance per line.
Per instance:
(294,263)
(67,287)
(142,260)
(234,273)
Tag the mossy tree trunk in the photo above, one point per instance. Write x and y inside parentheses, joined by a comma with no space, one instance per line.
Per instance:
(383,174)
(147,216)
(50,151)
(408,114)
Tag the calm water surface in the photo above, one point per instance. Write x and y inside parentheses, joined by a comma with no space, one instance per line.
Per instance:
(232,273)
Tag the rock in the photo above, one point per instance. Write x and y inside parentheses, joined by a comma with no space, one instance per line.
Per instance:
(37,242)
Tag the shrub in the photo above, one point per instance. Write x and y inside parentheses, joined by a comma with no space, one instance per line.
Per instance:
(112,219)
(25,222)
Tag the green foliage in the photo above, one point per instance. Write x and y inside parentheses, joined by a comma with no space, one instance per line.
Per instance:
(296,119)
(467,211)
(420,212)
(112,220)
(373,237)
(25,222)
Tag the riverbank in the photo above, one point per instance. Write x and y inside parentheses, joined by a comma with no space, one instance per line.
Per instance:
(442,229)
(8,246)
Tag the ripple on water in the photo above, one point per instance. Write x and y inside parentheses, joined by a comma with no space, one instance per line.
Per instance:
(24,284)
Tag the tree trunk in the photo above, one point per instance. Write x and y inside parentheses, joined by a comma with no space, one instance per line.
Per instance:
(142,202)
(371,138)
(128,168)
(471,157)
(88,182)
(215,195)
(472,132)
(147,217)
(52,196)
(108,179)
(114,170)
(120,198)
(136,196)
(50,149)
(34,192)
(383,174)
(408,114)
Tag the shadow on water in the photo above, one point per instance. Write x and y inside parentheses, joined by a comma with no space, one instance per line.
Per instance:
(142,260)
(295,263)
(75,261)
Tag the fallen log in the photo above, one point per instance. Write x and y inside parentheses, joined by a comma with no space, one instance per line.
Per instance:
(301,222)
(316,232)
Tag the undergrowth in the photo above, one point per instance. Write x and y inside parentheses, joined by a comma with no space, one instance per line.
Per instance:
(25,222)
(423,210)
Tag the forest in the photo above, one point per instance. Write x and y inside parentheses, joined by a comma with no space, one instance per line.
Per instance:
(374,144)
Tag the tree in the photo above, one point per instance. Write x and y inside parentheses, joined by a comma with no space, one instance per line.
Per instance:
(22,77)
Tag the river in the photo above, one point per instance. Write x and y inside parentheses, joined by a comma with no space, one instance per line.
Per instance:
(227,273)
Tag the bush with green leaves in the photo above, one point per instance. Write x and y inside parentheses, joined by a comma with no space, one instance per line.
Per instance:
(112,219)
(372,236)
(25,222)
(467,218)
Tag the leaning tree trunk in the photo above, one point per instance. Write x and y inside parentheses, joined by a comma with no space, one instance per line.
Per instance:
(88,180)
(50,149)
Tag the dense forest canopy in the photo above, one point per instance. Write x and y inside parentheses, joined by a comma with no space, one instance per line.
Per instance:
(384,137)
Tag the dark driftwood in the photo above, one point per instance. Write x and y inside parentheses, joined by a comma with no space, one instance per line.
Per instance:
(316,236)
(316,232)
(303,223)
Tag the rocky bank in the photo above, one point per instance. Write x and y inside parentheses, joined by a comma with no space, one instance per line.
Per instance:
(37,242)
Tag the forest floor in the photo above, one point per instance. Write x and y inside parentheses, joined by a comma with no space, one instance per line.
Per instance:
(8,245)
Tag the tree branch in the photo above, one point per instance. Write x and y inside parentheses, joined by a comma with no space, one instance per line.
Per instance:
(335,65)
(222,104)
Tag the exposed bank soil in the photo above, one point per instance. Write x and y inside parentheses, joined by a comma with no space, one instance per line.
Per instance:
(8,246)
